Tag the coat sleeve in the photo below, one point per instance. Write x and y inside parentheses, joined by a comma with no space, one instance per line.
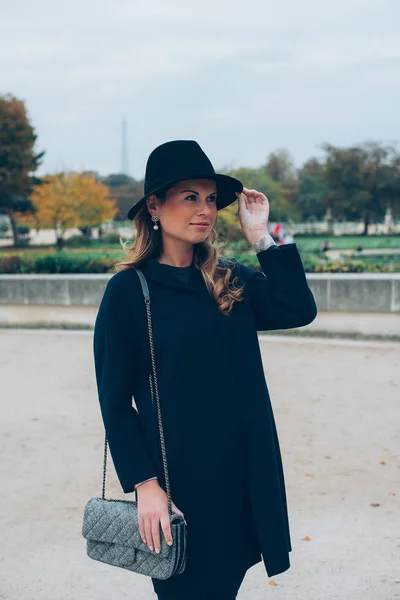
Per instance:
(279,294)
(115,367)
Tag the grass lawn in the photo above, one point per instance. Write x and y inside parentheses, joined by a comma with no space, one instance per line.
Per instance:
(313,244)
(307,246)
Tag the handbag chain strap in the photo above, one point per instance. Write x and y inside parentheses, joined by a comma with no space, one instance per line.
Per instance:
(146,294)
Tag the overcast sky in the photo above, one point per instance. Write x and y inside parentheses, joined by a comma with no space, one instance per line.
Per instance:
(242,77)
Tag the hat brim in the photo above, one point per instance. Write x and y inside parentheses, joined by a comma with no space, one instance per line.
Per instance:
(227,187)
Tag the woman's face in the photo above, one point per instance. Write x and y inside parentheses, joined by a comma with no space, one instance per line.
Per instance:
(188,203)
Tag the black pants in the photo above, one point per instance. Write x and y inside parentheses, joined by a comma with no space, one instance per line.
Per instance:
(225,591)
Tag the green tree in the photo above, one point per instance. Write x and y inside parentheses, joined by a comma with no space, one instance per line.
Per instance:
(125,190)
(118,179)
(18,160)
(363,181)
(280,207)
(312,189)
(280,167)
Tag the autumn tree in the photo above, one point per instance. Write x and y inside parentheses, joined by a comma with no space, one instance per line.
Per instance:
(18,160)
(67,200)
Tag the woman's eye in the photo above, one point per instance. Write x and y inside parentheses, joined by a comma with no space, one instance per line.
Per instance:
(212,199)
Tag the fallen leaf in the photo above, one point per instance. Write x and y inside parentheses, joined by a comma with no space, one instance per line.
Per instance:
(272,582)
(328,456)
(392,493)
(306,539)
(309,475)
(374,504)
(383,462)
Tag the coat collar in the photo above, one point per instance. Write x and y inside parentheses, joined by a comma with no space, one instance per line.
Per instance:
(162,274)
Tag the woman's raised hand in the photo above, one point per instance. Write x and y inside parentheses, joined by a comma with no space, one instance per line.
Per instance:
(253,214)
(152,512)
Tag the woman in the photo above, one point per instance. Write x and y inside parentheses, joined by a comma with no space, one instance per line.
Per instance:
(223,454)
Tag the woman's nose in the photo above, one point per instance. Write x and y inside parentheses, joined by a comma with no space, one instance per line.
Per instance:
(205,210)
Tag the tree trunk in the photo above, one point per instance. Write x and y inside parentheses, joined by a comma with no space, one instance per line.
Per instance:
(14,228)
(366,223)
(59,242)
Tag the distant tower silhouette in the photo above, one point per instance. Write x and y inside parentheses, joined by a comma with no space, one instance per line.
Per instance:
(124,150)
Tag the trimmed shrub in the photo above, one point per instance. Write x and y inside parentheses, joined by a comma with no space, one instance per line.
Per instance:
(103,262)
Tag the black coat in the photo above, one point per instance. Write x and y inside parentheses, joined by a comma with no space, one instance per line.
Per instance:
(223,454)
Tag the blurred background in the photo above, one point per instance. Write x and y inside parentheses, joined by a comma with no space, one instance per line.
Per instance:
(299,100)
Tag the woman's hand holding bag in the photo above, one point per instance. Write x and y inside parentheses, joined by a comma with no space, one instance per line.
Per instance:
(152,504)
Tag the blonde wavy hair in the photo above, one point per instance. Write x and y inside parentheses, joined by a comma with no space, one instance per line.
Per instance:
(207,258)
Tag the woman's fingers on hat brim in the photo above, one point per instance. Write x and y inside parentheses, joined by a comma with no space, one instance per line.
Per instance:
(245,197)
(254,195)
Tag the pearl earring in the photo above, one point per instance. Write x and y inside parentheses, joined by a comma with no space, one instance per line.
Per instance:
(155,218)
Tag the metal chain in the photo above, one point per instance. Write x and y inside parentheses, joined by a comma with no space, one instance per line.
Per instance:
(151,389)
(103,492)
(164,454)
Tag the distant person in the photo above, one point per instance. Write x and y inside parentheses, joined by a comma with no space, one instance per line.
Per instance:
(359,248)
(277,232)
(288,239)
(325,246)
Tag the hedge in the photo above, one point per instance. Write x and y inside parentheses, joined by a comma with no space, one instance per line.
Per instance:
(93,263)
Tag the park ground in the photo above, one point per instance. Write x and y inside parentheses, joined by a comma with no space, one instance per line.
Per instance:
(336,405)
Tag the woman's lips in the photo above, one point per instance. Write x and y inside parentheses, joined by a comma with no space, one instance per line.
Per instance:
(199,226)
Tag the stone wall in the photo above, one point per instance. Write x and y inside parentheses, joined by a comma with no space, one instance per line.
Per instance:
(364,303)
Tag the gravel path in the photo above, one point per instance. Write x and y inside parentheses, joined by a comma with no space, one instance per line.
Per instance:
(336,406)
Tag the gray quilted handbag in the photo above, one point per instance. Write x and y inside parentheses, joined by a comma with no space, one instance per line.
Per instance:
(111,526)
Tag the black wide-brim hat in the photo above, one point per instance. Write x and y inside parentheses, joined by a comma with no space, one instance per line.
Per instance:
(184,159)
